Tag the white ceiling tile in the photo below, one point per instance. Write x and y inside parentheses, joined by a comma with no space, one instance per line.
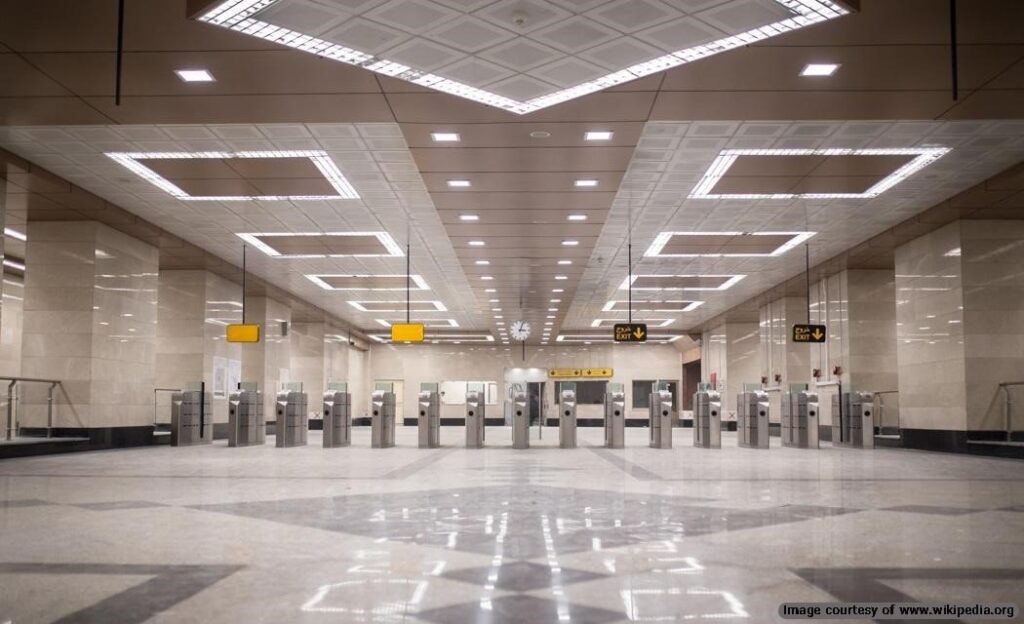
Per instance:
(474,71)
(680,34)
(621,52)
(743,15)
(629,16)
(522,87)
(574,35)
(567,72)
(304,16)
(365,36)
(423,54)
(413,16)
(521,54)
(469,34)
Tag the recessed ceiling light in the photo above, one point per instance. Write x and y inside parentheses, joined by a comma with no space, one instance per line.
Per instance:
(486,277)
(483,262)
(597,135)
(570,243)
(819,69)
(586,182)
(552,309)
(15,234)
(556,301)
(549,322)
(458,183)
(469,217)
(492,301)
(476,243)
(14,265)
(577,217)
(561,277)
(490,290)
(557,290)
(495,309)
(550,316)
(445,137)
(194,75)
(499,316)
(540,134)
(565,262)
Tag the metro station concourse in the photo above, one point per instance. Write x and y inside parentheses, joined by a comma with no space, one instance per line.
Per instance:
(511,311)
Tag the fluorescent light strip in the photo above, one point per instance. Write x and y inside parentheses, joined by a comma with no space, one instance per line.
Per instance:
(17,266)
(320,159)
(445,337)
(727,284)
(690,307)
(253,238)
(359,305)
(15,234)
(606,337)
(653,322)
(418,282)
(238,15)
(924,156)
(654,251)
(431,324)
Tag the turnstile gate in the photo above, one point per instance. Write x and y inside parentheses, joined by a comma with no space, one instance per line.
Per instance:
(707,419)
(659,418)
(475,413)
(752,419)
(292,419)
(852,422)
(337,419)
(567,420)
(429,419)
(382,419)
(245,419)
(520,422)
(800,419)
(615,420)
(191,418)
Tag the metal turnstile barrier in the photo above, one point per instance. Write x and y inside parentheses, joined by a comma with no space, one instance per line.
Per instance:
(246,426)
(800,419)
(707,419)
(752,419)
(292,419)
(429,419)
(659,418)
(852,421)
(567,419)
(615,420)
(520,422)
(382,419)
(475,413)
(191,418)
(337,419)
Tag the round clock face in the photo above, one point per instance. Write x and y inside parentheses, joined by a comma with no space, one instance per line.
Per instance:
(520,330)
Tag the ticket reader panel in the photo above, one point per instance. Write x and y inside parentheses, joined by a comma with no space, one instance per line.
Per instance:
(567,419)
(476,406)
(337,419)
(382,419)
(659,418)
(752,419)
(800,419)
(292,419)
(191,418)
(615,420)
(428,421)
(245,418)
(707,419)
(852,420)
(520,421)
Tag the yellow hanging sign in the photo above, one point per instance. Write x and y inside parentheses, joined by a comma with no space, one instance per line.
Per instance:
(407,332)
(243,332)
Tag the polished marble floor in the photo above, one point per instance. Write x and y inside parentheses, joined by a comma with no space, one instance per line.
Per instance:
(451,535)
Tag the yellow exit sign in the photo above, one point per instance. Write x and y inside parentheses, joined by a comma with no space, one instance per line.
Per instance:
(243,332)
(569,373)
(407,332)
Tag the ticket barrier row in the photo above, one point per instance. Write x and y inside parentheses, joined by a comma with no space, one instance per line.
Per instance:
(707,419)
(752,419)
(800,419)
(852,422)
(191,418)
(659,419)
(292,419)
(246,426)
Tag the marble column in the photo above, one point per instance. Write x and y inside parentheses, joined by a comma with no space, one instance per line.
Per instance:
(307,356)
(90,321)
(268,362)
(783,362)
(960,330)
(195,306)
(730,358)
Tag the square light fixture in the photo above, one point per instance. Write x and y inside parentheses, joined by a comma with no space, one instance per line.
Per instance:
(264,241)
(585,183)
(727,244)
(923,156)
(194,75)
(458,183)
(819,69)
(598,135)
(323,163)
(445,137)
(722,282)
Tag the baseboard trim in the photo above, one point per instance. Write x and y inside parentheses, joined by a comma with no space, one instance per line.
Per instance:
(953,441)
(96,439)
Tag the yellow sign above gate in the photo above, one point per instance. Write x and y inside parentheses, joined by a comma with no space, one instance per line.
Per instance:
(569,373)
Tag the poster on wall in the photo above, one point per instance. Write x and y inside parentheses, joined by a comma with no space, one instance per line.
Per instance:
(220,377)
(234,374)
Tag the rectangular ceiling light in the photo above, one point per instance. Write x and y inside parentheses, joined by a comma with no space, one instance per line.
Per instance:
(194,75)
(398,306)
(650,322)
(469,217)
(722,282)
(458,183)
(607,337)
(15,234)
(438,338)
(445,137)
(731,244)
(584,183)
(383,282)
(924,156)
(672,306)
(133,162)
(431,324)
(264,242)
(819,69)
(598,135)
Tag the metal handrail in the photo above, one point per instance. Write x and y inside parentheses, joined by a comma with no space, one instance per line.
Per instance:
(12,425)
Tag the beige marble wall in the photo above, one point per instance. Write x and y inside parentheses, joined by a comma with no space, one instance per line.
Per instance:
(732,352)
(779,355)
(90,321)
(11,324)
(308,358)
(268,362)
(194,308)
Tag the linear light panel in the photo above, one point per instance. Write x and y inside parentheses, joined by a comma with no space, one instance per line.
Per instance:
(432,337)
(638,305)
(431,324)
(654,251)
(924,156)
(399,306)
(253,238)
(240,16)
(652,322)
(727,284)
(417,282)
(320,159)
(607,337)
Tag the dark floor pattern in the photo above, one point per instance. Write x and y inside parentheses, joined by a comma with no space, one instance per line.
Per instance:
(435,517)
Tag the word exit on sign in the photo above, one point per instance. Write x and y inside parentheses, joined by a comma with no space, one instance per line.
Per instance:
(808,333)
(631,332)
